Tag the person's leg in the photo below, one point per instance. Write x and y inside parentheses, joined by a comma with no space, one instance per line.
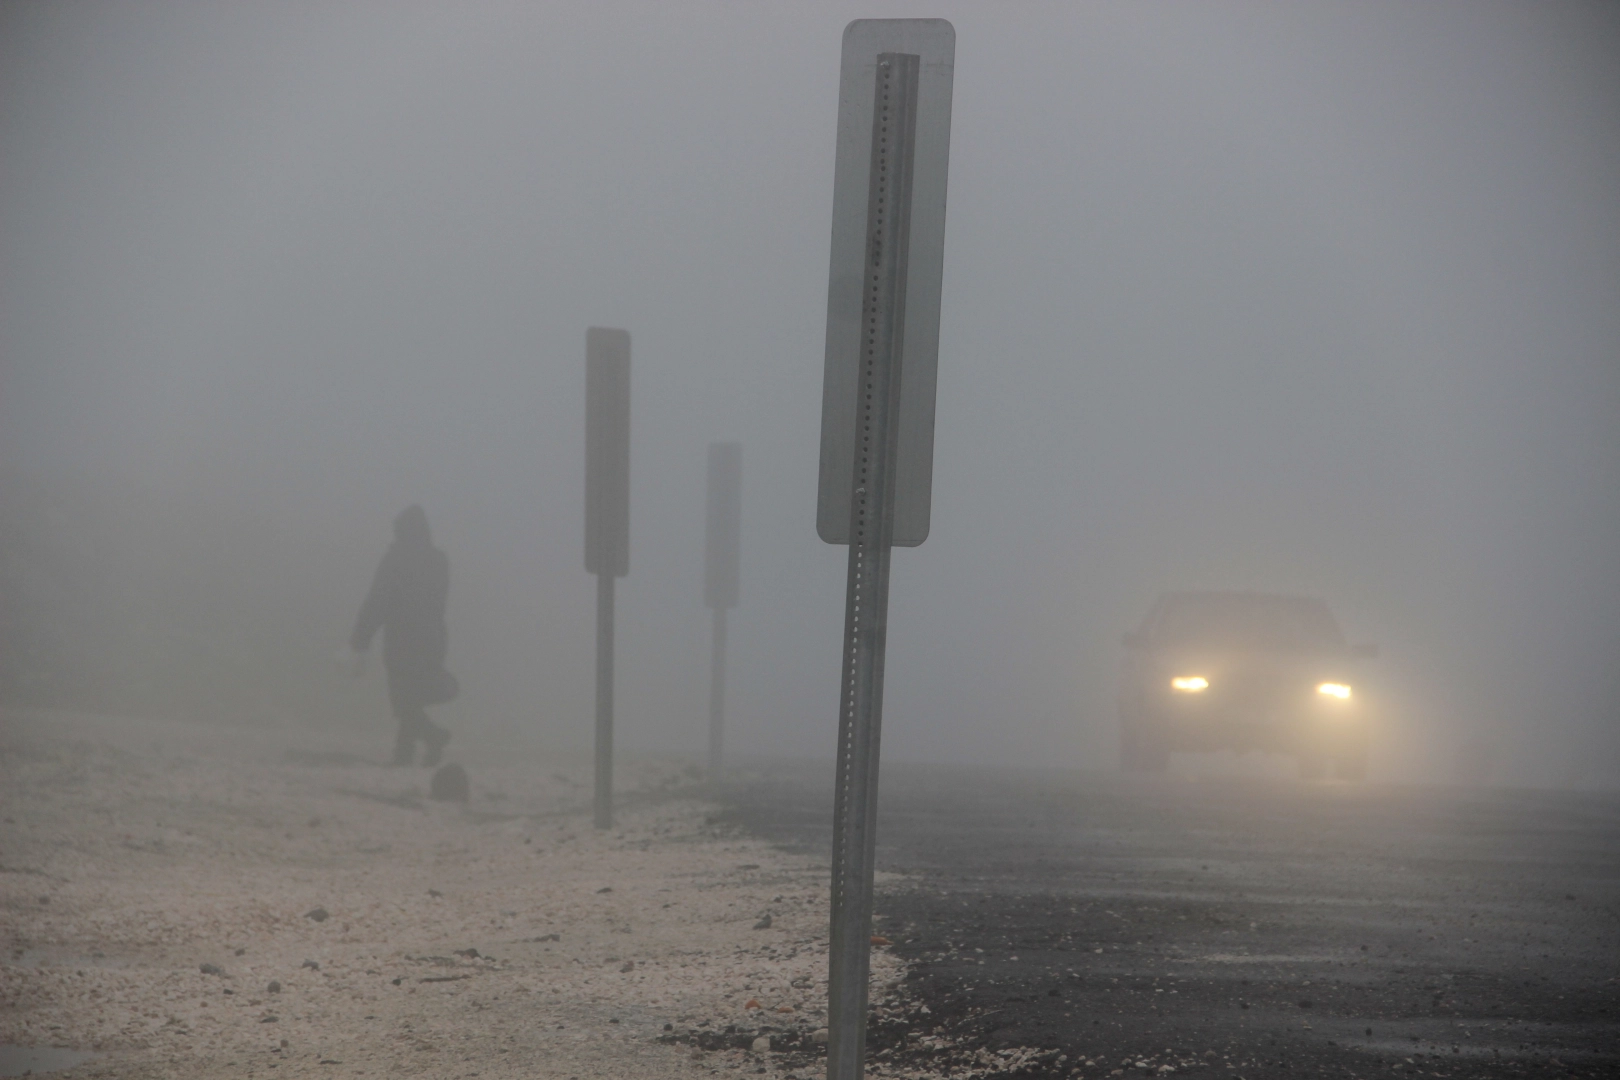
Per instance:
(413,721)
(433,737)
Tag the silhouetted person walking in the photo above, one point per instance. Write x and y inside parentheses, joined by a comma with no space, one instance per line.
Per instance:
(407,602)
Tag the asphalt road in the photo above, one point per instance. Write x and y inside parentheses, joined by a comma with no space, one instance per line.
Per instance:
(1252,928)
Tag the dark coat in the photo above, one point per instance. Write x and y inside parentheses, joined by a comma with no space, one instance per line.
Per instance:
(406,602)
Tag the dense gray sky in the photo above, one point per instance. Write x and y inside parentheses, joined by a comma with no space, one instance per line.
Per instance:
(1319,297)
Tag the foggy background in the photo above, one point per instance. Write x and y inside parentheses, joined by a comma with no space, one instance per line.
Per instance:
(1317,297)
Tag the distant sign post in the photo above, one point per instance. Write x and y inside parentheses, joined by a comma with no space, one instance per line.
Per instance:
(721,578)
(894,111)
(607,522)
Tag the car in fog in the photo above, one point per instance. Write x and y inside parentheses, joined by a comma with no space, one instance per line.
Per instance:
(1243,671)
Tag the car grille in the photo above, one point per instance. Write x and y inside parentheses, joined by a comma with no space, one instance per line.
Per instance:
(1257,690)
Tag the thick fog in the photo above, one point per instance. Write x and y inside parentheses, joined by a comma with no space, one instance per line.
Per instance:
(1321,298)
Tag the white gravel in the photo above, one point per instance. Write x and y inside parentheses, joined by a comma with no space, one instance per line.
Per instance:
(134,852)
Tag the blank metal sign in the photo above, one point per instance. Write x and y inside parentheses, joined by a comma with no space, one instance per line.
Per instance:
(934,41)
(724,547)
(607,451)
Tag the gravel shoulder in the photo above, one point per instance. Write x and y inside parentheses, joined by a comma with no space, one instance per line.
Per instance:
(193,901)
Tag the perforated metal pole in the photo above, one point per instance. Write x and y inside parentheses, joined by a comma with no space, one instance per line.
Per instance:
(717,694)
(883,309)
(604,702)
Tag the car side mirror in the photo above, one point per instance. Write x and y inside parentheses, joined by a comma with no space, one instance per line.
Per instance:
(1367,651)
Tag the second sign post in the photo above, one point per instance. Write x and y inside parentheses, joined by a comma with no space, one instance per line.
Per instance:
(607,522)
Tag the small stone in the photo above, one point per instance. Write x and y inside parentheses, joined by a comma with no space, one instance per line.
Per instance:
(435,893)
(752,1003)
(1306,1003)
(669,1027)
(605,888)
(471,954)
(628,965)
(312,965)
(241,952)
(269,1019)
(819,1036)
(273,988)
(212,969)
(764,923)
(318,914)
(762,1045)
(879,939)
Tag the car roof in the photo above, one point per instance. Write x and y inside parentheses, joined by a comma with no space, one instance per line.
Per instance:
(1234,616)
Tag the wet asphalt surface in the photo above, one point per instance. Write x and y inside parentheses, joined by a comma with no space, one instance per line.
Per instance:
(1233,927)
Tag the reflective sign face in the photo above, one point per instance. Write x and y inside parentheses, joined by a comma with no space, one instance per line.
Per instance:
(724,548)
(934,41)
(607,451)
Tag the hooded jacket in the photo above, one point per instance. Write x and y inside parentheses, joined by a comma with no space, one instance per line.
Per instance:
(406,602)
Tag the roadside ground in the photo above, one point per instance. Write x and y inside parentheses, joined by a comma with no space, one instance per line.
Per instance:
(189,901)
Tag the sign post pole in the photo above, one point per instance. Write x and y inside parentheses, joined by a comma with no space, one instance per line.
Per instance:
(871,531)
(721,579)
(607,523)
(877,443)
(717,694)
(602,793)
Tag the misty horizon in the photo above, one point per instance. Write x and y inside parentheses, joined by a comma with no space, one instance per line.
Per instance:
(1316,300)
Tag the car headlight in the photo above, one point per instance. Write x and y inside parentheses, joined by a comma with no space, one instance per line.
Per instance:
(1334,690)
(1189,684)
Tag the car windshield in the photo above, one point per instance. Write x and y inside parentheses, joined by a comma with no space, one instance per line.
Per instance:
(1246,621)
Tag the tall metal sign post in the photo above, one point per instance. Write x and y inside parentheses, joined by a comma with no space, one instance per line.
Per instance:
(877,425)
(607,522)
(721,578)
